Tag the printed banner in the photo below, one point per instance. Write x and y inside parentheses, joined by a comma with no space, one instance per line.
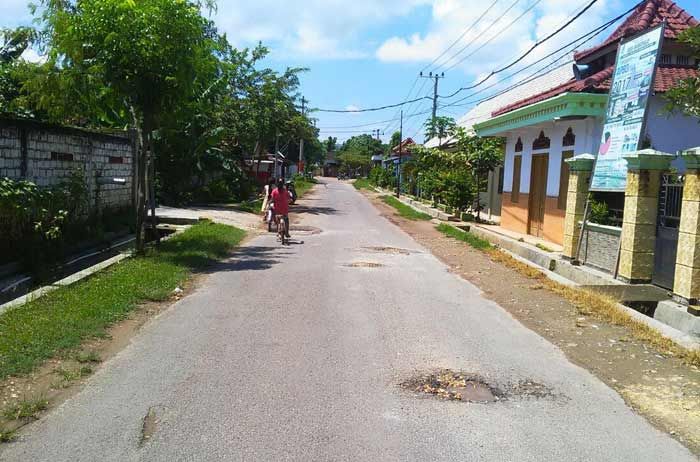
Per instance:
(627,107)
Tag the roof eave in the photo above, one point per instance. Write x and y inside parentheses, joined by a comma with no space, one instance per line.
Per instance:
(564,105)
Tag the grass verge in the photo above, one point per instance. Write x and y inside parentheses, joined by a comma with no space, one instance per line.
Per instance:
(464,236)
(404,210)
(362,183)
(251,206)
(586,302)
(304,186)
(61,320)
(26,409)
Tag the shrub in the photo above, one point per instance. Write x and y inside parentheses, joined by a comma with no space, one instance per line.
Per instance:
(33,219)
(600,213)
(382,177)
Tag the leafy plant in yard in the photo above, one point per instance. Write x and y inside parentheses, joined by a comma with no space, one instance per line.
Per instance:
(33,219)
(382,177)
(600,213)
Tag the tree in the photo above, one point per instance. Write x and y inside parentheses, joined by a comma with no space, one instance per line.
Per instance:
(330,144)
(685,97)
(482,155)
(146,52)
(440,127)
(395,140)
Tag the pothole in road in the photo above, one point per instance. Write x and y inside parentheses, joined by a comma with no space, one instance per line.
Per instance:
(389,250)
(364,264)
(453,386)
(148,429)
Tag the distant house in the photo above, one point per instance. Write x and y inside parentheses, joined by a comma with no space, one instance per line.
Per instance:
(544,129)
(401,152)
(330,165)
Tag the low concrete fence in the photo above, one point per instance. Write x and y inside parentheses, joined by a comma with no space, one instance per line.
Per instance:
(599,246)
(47,154)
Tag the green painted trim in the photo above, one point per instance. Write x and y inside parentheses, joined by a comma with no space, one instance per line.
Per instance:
(564,105)
(648,159)
(581,163)
(691,159)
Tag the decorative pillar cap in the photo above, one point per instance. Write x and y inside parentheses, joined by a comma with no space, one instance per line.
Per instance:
(691,157)
(581,163)
(648,159)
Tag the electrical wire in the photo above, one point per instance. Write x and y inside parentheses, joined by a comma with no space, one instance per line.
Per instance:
(459,39)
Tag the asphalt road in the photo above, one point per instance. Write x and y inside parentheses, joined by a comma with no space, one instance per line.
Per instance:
(294,354)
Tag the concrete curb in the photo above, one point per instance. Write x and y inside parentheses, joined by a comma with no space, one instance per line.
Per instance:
(72,279)
(75,277)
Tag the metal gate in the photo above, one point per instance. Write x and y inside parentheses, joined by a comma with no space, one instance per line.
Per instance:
(668,221)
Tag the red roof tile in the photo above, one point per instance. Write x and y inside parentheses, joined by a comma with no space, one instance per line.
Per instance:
(405,144)
(649,14)
(666,77)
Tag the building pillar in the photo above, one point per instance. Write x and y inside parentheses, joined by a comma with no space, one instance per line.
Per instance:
(644,169)
(686,285)
(580,168)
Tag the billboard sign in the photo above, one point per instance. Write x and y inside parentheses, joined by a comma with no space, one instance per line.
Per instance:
(627,108)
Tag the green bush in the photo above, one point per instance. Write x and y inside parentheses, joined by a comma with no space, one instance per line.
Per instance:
(600,213)
(382,177)
(33,220)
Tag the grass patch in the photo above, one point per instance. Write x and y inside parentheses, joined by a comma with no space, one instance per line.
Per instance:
(404,210)
(304,186)
(251,206)
(28,408)
(88,357)
(62,319)
(7,436)
(464,236)
(362,183)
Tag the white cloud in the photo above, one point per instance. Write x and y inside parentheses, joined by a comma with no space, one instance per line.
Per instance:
(14,13)
(493,41)
(352,107)
(328,29)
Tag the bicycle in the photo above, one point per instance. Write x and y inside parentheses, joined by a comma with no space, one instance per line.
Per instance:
(281,229)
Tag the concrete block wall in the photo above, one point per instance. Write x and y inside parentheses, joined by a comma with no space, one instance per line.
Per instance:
(48,154)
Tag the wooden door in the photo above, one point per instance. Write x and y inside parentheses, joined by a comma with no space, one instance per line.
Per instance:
(538,194)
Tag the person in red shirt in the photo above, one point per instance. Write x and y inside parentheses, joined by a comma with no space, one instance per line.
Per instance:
(280,200)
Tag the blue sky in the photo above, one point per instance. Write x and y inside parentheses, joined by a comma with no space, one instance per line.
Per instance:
(367,53)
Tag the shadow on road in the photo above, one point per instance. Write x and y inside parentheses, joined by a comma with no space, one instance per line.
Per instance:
(252,258)
(315,210)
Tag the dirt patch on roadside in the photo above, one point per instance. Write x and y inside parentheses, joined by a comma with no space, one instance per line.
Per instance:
(654,383)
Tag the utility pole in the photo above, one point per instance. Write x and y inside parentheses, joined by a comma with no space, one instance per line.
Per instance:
(398,169)
(277,150)
(301,142)
(435,77)
(376,133)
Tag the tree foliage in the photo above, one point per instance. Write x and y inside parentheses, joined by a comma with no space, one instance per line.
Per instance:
(440,127)
(685,97)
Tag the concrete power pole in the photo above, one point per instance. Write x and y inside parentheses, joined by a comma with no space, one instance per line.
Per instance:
(301,142)
(435,77)
(398,169)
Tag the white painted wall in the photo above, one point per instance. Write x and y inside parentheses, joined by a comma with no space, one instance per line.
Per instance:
(587,133)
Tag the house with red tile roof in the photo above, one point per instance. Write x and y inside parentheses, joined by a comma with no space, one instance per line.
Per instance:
(544,129)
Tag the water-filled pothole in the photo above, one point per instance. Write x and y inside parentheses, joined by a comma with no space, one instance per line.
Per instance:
(453,386)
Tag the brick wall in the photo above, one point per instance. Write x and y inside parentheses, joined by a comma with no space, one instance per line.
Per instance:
(47,154)
(600,246)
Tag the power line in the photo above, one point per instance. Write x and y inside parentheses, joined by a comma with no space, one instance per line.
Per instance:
(469,29)
(498,34)
(373,109)
(520,58)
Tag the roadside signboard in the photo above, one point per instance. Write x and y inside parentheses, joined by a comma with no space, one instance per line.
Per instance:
(627,108)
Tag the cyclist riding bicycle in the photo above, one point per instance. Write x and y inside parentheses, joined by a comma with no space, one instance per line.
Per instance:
(280,199)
